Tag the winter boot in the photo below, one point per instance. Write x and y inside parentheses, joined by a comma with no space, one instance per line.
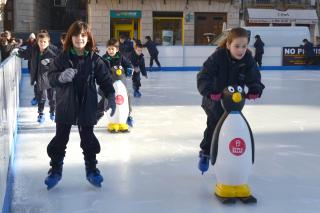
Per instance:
(54,174)
(136,94)
(203,164)
(130,121)
(52,116)
(41,118)
(92,173)
(34,101)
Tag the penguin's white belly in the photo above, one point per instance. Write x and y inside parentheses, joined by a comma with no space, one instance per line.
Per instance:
(234,157)
(122,104)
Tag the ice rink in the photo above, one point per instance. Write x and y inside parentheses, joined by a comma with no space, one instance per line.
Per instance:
(153,169)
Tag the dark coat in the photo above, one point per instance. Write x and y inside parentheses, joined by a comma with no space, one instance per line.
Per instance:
(308,50)
(219,71)
(38,71)
(152,48)
(138,61)
(69,108)
(6,50)
(126,48)
(117,60)
(258,44)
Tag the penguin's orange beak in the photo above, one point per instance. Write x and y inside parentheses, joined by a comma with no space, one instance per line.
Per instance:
(236,97)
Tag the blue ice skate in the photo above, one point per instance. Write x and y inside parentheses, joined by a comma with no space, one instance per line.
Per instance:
(52,116)
(34,101)
(130,121)
(136,94)
(93,174)
(41,118)
(203,164)
(54,176)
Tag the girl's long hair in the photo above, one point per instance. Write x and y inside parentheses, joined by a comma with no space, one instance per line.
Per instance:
(233,34)
(75,29)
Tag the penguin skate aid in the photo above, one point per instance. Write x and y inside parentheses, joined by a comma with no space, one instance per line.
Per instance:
(118,122)
(230,66)
(120,68)
(232,149)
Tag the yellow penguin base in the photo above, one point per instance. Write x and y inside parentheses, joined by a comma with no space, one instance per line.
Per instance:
(232,191)
(112,127)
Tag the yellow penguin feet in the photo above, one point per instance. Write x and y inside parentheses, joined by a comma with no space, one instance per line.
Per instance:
(113,128)
(123,127)
(228,194)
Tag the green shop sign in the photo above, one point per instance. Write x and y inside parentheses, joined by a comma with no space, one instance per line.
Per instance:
(125,14)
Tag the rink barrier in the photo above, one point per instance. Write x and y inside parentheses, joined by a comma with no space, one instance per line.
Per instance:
(10,76)
(189,69)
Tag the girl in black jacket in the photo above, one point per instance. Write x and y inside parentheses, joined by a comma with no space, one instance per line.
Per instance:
(230,64)
(74,74)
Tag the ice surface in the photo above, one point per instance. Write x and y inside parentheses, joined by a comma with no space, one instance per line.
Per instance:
(154,167)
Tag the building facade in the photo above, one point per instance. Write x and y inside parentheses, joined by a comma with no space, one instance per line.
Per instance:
(168,22)
(173,22)
(281,13)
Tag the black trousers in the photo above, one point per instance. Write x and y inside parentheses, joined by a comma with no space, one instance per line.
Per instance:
(136,80)
(41,96)
(258,59)
(89,143)
(156,60)
(212,121)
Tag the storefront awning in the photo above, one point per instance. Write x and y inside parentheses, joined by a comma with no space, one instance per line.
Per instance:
(282,17)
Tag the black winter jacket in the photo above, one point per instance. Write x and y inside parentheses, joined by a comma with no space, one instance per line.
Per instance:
(138,61)
(220,70)
(38,70)
(259,45)
(308,49)
(152,48)
(69,108)
(126,48)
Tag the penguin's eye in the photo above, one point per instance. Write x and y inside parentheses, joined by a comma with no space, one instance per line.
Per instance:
(120,67)
(115,67)
(239,89)
(231,89)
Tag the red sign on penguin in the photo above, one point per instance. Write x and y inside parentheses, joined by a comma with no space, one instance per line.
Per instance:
(119,99)
(237,146)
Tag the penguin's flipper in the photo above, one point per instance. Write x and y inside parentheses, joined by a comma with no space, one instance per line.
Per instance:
(248,200)
(226,200)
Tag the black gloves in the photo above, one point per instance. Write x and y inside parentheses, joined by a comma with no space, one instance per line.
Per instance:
(111,104)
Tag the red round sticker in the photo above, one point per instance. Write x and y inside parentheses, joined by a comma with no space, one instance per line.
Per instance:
(119,99)
(237,146)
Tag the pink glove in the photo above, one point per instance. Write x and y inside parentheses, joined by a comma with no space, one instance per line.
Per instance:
(252,96)
(215,96)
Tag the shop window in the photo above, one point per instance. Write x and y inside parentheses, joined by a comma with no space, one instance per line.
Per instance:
(168,28)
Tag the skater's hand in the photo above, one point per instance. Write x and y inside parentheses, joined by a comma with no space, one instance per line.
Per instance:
(15,52)
(253,93)
(67,75)
(215,96)
(129,72)
(111,104)
(45,61)
(146,76)
(252,96)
